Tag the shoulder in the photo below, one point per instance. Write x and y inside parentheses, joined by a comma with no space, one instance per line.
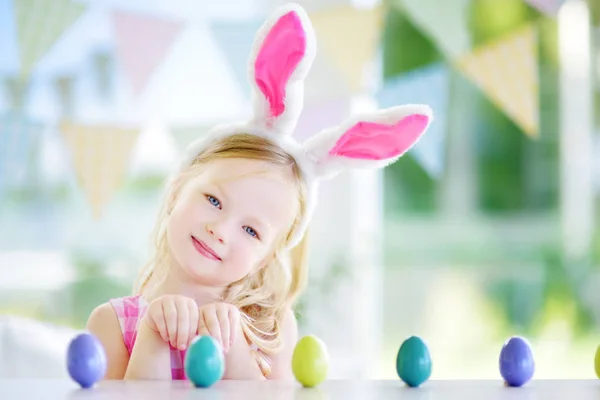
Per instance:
(282,361)
(103,316)
(104,324)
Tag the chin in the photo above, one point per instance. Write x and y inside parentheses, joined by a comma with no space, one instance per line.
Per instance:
(205,273)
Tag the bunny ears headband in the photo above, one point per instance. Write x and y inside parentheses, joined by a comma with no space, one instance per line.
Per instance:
(282,54)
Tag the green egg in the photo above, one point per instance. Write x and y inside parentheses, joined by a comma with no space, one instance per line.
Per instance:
(413,363)
(310,361)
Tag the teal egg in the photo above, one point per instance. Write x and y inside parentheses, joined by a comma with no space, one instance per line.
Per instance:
(413,363)
(204,361)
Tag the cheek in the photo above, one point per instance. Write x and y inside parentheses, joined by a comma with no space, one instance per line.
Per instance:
(172,231)
(178,221)
(248,254)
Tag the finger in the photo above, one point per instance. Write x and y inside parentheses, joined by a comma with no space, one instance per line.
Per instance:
(170,313)
(234,322)
(193,312)
(223,317)
(202,329)
(183,324)
(212,325)
(158,319)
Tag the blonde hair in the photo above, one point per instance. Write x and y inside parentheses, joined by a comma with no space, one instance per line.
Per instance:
(262,296)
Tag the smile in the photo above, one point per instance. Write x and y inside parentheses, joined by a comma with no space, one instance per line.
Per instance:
(205,249)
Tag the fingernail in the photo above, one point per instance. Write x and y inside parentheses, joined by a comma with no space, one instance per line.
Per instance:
(182,346)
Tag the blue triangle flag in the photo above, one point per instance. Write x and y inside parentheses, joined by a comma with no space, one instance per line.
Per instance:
(428,85)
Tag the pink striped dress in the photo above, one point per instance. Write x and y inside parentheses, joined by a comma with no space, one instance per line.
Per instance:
(130,311)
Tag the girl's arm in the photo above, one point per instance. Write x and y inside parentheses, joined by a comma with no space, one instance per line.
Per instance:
(103,323)
(150,357)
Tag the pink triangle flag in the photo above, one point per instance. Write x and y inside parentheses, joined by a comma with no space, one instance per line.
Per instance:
(142,43)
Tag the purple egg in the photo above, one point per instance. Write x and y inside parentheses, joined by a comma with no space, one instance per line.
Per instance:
(86,360)
(516,361)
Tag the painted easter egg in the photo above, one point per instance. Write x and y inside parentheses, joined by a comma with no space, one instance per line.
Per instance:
(310,361)
(516,361)
(204,361)
(86,360)
(413,363)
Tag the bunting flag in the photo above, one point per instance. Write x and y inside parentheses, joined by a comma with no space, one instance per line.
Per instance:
(40,23)
(100,156)
(507,71)
(9,55)
(428,85)
(142,44)
(350,38)
(548,7)
(235,40)
(445,22)
(19,136)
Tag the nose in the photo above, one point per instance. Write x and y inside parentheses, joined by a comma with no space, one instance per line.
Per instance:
(214,231)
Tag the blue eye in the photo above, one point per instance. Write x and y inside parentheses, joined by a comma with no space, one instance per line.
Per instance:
(251,231)
(214,201)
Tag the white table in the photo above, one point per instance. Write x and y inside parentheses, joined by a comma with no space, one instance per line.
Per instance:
(391,389)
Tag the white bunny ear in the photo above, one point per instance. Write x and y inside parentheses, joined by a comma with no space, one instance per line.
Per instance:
(370,141)
(282,55)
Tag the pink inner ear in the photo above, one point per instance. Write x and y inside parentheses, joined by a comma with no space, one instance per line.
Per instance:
(281,52)
(373,141)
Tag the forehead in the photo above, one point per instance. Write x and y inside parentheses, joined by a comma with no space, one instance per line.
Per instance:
(234,169)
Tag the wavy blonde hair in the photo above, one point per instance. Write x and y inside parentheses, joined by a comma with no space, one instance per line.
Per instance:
(262,296)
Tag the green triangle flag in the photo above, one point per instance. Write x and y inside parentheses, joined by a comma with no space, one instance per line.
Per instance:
(40,23)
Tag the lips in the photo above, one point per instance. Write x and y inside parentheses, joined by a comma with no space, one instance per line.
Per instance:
(205,250)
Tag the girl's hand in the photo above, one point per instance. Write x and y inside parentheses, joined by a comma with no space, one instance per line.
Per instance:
(175,318)
(221,321)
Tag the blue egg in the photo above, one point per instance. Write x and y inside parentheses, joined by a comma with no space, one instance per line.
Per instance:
(204,361)
(86,360)
(413,363)
(516,362)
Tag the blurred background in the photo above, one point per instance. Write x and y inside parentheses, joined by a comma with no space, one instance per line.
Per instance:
(486,229)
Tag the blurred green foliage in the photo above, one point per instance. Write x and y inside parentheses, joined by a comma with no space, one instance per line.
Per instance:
(515,173)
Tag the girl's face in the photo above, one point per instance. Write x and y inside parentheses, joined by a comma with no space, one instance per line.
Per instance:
(227,220)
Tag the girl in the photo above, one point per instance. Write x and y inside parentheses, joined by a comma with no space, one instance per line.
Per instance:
(229,257)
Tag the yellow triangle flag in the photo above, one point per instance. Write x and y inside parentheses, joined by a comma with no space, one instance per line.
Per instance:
(39,25)
(350,37)
(507,71)
(100,156)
